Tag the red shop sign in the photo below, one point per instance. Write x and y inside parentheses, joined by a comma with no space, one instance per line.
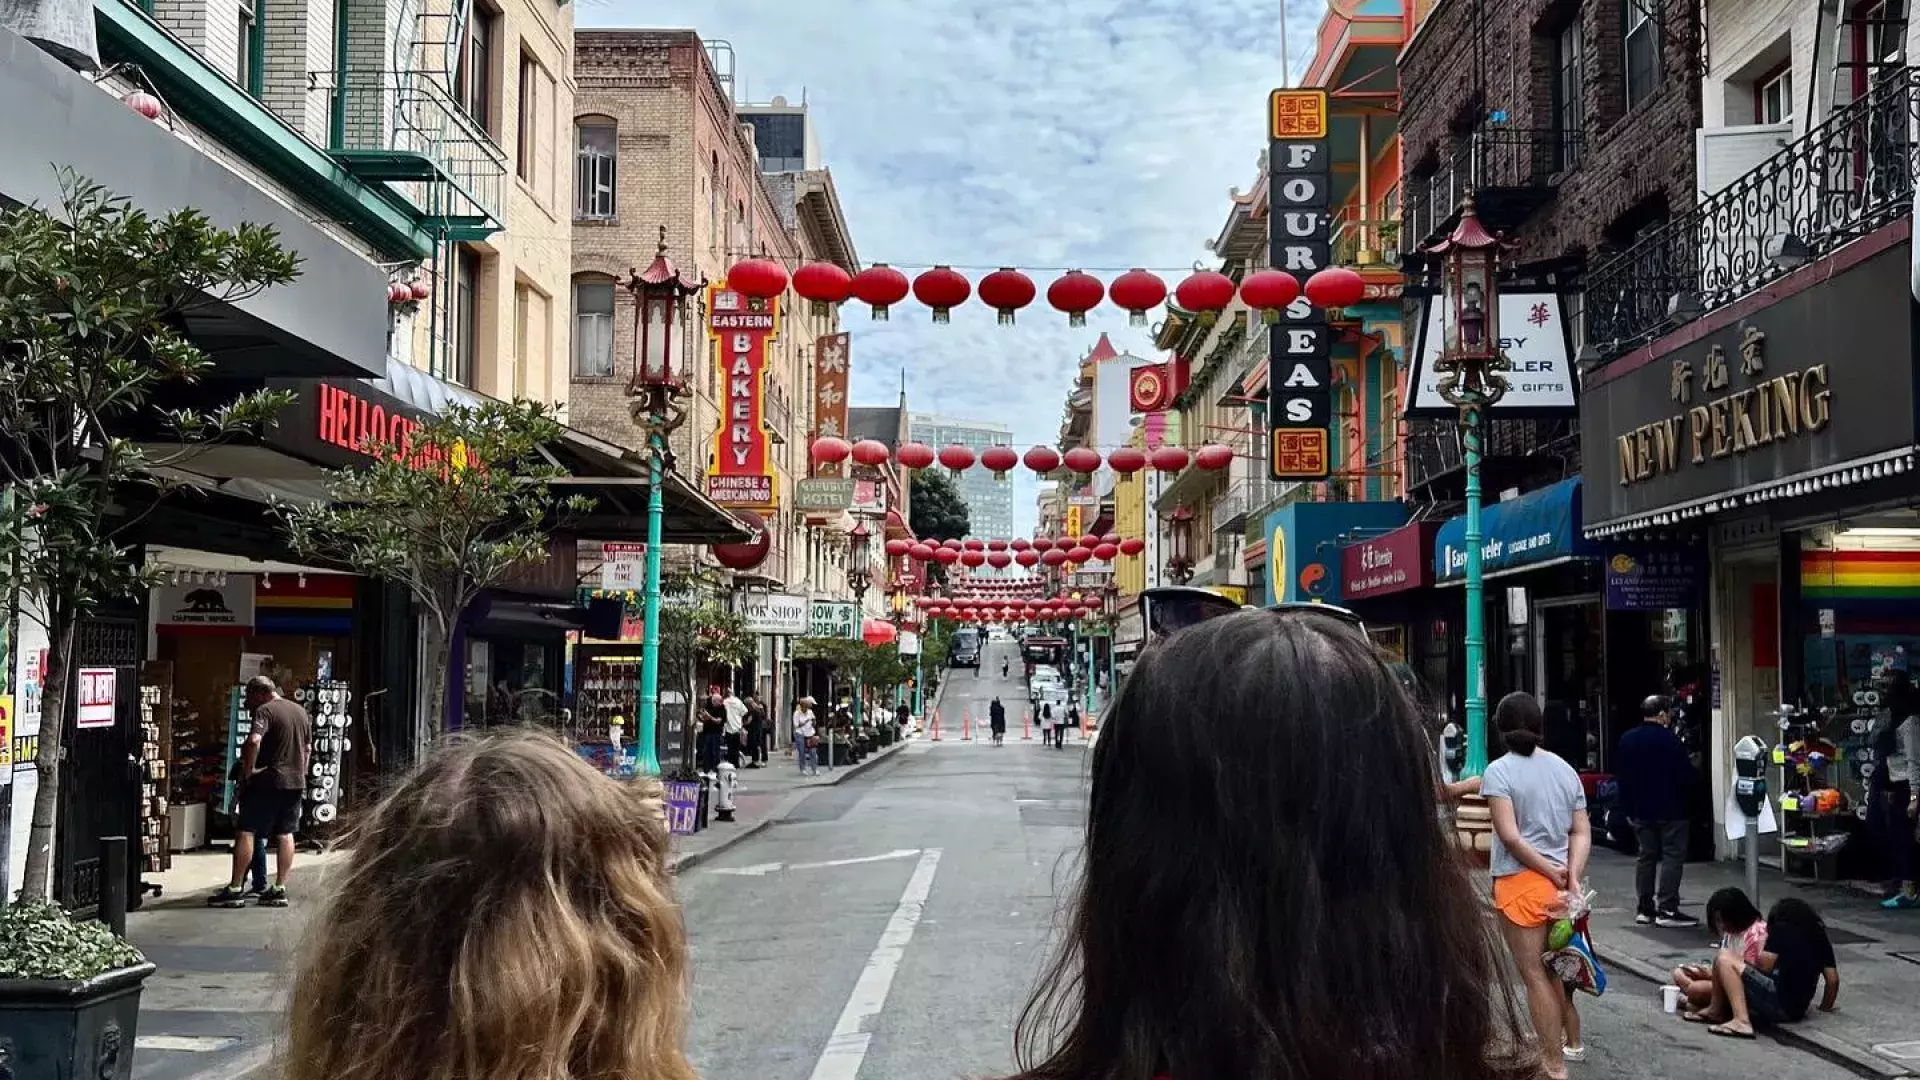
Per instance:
(1389,563)
(742,471)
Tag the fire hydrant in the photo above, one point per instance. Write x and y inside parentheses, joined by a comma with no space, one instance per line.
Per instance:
(728,778)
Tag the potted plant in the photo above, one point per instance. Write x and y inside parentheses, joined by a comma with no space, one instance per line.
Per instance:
(69,996)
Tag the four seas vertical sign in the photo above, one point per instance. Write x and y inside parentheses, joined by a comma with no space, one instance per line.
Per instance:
(1300,241)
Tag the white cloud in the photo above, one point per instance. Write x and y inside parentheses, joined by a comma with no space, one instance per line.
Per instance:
(980,133)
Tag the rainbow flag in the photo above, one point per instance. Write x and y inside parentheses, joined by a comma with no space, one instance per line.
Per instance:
(1860,575)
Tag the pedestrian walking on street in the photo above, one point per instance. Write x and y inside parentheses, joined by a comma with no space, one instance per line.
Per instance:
(257,869)
(711,739)
(1047,730)
(1655,774)
(1893,798)
(274,763)
(1280,919)
(734,729)
(806,736)
(1540,847)
(756,731)
(997,721)
(506,914)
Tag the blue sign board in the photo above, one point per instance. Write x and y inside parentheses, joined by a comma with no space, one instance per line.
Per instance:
(1304,542)
(1646,579)
(1539,527)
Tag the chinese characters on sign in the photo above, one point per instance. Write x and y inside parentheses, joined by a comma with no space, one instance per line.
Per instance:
(97,692)
(834,619)
(1654,581)
(742,470)
(1074,520)
(1299,399)
(832,361)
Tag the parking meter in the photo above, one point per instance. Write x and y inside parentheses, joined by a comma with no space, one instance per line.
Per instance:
(1750,775)
(1453,749)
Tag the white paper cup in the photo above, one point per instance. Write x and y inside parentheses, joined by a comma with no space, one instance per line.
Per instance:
(1670,999)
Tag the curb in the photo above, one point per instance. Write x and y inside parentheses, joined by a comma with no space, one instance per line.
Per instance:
(681,863)
(1857,1058)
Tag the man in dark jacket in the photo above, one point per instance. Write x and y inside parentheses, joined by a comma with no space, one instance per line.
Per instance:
(1655,774)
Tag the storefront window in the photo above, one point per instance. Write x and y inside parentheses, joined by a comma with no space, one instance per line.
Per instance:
(1571,662)
(509,682)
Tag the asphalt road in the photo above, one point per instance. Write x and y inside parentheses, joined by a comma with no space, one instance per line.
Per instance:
(894,926)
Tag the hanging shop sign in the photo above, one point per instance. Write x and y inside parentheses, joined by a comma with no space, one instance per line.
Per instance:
(829,494)
(834,619)
(1540,381)
(97,690)
(1392,562)
(869,498)
(1076,519)
(909,644)
(1655,579)
(1304,558)
(832,365)
(1818,379)
(207,604)
(780,614)
(1537,529)
(741,472)
(1300,242)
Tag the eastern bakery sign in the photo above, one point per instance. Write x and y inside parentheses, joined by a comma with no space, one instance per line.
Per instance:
(741,471)
(1821,377)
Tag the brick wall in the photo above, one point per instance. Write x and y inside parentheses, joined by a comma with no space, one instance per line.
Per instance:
(1498,55)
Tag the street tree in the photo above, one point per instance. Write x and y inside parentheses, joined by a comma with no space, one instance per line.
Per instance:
(458,505)
(696,629)
(937,512)
(94,298)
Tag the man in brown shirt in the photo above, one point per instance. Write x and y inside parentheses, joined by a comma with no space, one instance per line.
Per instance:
(274,763)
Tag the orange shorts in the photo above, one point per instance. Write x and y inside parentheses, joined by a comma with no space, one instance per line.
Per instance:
(1527,898)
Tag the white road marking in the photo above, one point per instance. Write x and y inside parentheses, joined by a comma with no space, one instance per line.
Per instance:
(847,1046)
(194,1044)
(763,869)
(756,870)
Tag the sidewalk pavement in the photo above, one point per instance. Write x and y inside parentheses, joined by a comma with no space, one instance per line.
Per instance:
(217,1002)
(1876,1029)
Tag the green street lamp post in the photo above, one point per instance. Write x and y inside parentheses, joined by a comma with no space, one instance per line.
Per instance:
(659,383)
(1472,369)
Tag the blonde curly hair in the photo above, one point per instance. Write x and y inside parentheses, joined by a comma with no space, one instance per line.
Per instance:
(507,915)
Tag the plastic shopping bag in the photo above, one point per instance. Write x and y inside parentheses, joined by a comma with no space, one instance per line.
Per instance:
(1574,963)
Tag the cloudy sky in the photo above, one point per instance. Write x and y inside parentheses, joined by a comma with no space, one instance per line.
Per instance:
(1099,134)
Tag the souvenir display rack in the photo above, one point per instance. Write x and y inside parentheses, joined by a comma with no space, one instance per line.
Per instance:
(326,704)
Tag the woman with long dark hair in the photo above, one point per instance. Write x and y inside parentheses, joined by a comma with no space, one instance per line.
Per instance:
(1265,892)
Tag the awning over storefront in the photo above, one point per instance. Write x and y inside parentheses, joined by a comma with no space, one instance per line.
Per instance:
(1538,529)
(1392,562)
(331,320)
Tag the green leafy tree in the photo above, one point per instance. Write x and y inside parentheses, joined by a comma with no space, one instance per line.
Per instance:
(459,506)
(937,511)
(94,298)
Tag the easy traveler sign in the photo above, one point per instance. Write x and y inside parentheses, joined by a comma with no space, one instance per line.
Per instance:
(742,470)
(1539,527)
(1300,242)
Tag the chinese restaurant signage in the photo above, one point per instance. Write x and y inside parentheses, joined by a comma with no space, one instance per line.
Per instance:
(831,363)
(1819,378)
(1300,230)
(1389,563)
(741,473)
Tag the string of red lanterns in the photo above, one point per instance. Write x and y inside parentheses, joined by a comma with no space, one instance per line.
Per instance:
(1000,460)
(968,609)
(999,554)
(1205,293)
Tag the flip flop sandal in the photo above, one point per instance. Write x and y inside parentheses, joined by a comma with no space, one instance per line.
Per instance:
(1726,1032)
(1692,1017)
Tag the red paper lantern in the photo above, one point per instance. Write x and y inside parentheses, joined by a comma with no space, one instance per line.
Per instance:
(973,558)
(1082,460)
(880,287)
(920,552)
(946,556)
(1001,459)
(1269,292)
(1027,557)
(828,450)
(1170,459)
(761,279)
(870,452)
(1106,552)
(144,103)
(1336,287)
(956,457)
(399,292)
(896,548)
(1054,557)
(1087,541)
(1213,457)
(1042,459)
(1020,544)
(422,288)
(974,545)
(877,632)
(1042,543)
(999,560)
(952,545)
(822,285)
(1006,290)
(1127,460)
(1077,554)
(1138,291)
(942,288)
(1076,294)
(1132,545)
(1110,538)
(996,545)
(1206,293)
(914,455)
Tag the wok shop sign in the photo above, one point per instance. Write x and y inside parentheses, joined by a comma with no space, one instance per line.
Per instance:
(741,474)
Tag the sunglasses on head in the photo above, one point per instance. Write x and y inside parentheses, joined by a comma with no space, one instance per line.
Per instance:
(1172,608)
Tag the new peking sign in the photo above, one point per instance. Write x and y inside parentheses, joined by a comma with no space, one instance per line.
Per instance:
(741,472)
(1300,230)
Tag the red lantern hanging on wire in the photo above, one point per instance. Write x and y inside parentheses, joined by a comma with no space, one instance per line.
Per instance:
(1054,557)
(974,545)
(941,288)
(999,560)
(1042,459)
(1213,457)
(1087,541)
(880,287)
(945,556)
(1001,459)
(1170,459)
(1336,287)
(1138,291)
(1019,543)
(1127,460)
(1042,543)
(914,455)
(920,552)
(1006,290)
(829,450)
(1269,292)
(952,545)
(871,452)
(896,548)
(996,545)
(1110,538)
(1076,294)
(973,558)
(757,279)
(1077,554)
(1132,545)
(1206,293)
(1082,461)
(823,285)
(956,458)
(1106,552)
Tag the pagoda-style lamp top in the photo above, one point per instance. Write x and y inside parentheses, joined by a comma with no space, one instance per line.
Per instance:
(660,302)
(1470,289)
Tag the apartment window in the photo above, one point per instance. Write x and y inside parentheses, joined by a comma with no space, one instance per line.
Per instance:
(593,328)
(1643,51)
(596,156)
(522,360)
(713,200)
(473,79)
(527,127)
(1569,92)
(247,47)
(466,315)
(1773,97)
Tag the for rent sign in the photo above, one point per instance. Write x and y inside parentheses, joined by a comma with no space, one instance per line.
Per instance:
(742,332)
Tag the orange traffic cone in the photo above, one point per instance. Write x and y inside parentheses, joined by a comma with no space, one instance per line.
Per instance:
(1026,725)
(935,726)
(966,726)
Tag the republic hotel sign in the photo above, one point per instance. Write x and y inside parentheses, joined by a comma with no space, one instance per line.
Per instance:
(1300,239)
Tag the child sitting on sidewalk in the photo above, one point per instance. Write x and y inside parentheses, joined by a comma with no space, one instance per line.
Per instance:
(1742,931)
(1778,987)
